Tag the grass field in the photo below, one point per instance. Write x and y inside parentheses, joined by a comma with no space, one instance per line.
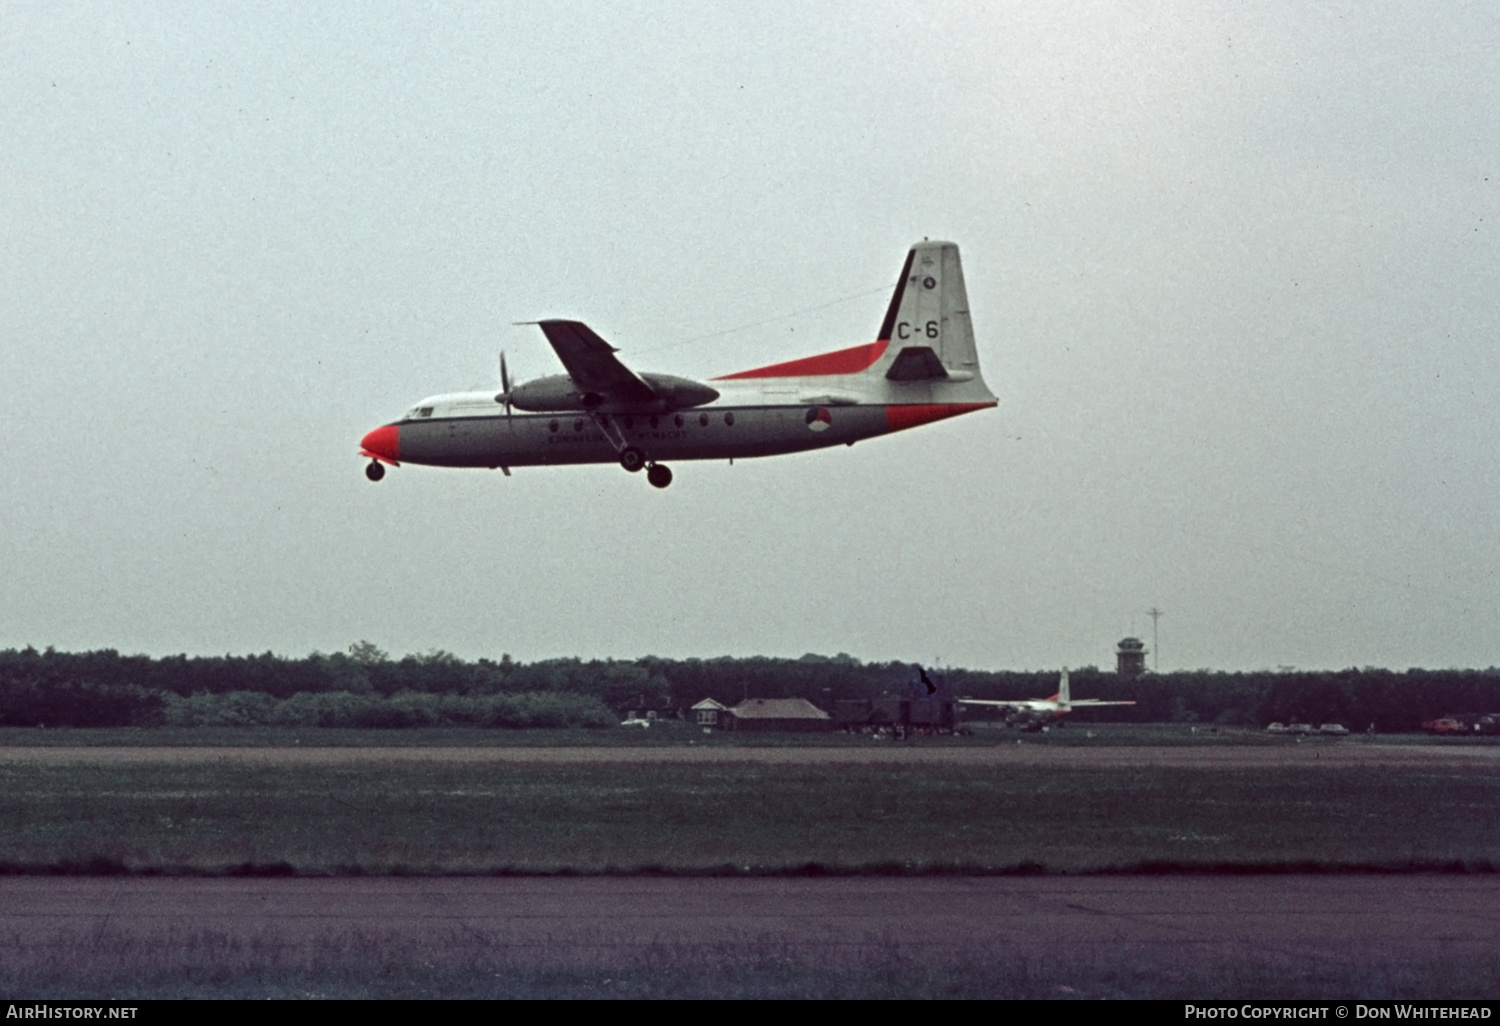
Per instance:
(727,816)
(1099,799)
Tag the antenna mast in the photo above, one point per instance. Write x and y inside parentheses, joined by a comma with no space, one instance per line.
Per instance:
(1155,615)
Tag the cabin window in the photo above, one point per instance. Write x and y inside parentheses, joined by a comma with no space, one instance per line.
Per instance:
(677,420)
(729,419)
(552,427)
(653,420)
(578,425)
(703,420)
(630,422)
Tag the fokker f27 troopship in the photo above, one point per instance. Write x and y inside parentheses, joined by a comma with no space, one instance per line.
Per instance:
(922,368)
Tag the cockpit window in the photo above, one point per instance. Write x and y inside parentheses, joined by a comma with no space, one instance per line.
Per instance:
(419,411)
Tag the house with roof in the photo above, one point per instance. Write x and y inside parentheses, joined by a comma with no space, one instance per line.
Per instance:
(795,714)
(709,713)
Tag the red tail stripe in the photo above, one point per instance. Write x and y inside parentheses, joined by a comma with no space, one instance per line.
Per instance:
(853,360)
(900,417)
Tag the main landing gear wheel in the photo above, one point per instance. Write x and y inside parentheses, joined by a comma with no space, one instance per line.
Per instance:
(375,471)
(659,475)
(632,459)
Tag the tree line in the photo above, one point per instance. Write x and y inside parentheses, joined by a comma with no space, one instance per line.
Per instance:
(364,687)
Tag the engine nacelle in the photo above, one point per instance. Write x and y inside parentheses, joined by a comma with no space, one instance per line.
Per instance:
(557,393)
(553,394)
(680,393)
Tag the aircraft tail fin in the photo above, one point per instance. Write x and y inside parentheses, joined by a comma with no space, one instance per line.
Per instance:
(925,351)
(927,325)
(925,683)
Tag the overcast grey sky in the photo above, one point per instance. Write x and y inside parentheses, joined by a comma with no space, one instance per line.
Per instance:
(1232,269)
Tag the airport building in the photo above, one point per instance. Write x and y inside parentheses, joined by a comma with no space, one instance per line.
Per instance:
(709,713)
(910,713)
(774,714)
(1130,657)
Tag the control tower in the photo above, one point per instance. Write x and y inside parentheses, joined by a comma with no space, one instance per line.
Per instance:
(1130,657)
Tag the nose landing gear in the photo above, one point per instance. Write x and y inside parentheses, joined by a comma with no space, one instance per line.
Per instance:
(375,471)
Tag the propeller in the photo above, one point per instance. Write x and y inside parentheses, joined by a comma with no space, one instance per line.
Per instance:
(504,396)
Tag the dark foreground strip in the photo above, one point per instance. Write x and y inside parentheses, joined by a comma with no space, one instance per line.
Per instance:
(104,866)
(1160,1010)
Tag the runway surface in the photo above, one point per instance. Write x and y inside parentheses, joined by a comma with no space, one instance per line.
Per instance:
(1163,922)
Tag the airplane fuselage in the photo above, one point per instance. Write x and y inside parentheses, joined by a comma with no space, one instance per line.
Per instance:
(1036,713)
(471,430)
(922,367)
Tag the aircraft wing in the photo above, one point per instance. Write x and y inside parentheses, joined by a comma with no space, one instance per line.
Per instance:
(1081,702)
(591,363)
(996,703)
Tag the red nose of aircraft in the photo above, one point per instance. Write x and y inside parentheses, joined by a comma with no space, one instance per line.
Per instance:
(383,442)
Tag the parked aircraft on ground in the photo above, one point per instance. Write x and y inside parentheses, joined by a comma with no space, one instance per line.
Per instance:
(1038,713)
(923,367)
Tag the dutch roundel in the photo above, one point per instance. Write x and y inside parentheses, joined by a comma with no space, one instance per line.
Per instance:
(818,418)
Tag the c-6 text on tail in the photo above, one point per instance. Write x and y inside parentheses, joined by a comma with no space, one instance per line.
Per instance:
(923,367)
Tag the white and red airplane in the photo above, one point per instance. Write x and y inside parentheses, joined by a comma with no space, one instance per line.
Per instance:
(1038,713)
(922,368)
